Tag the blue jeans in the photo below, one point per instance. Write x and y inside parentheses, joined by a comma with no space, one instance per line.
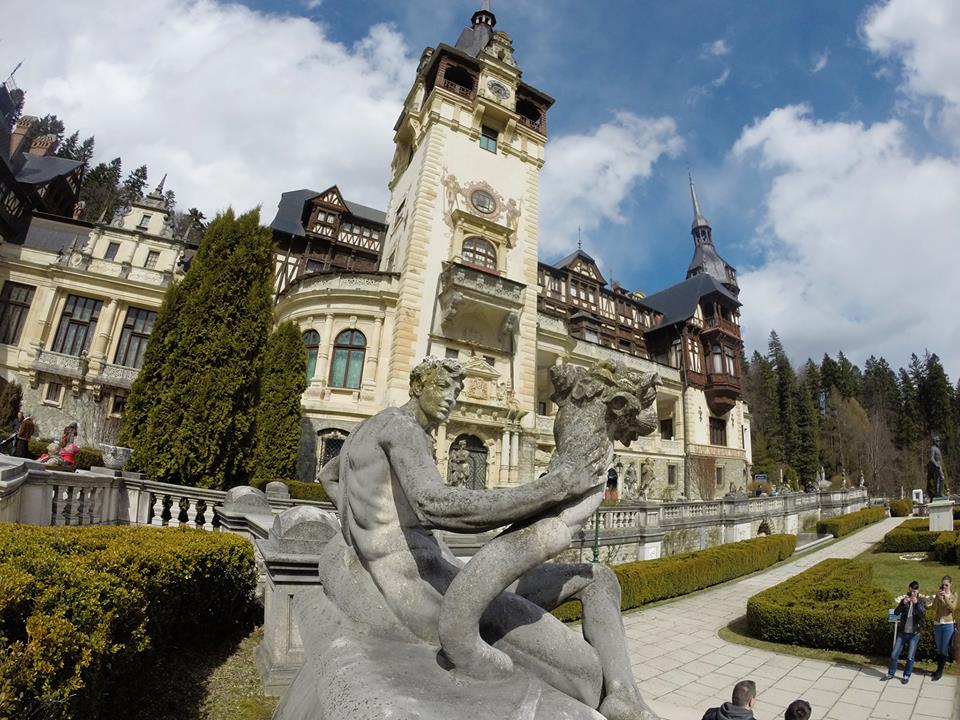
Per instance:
(911,640)
(941,636)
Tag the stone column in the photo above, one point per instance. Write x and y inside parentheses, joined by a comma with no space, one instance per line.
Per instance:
(324,352)
(373,352)
(515,449)
(505,448)
(98,348)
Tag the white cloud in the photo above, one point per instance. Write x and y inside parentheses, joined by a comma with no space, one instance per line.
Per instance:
(859,240)
(587,177)
(717,48)
(698,92)
(923,37)
(312,4)
(820,61)
(235,105)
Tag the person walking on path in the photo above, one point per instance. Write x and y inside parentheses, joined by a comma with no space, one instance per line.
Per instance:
(910,613)
(741,705)
(24,433)
(944,623)
(798,710)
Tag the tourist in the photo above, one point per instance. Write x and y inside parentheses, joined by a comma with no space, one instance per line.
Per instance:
(943,609)
(798,710)
(24,433)
(910,612)
(69,434)
(741,705)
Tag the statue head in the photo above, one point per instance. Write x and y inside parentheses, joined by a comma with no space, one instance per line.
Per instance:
(435,384)
(935,439)
(629,397)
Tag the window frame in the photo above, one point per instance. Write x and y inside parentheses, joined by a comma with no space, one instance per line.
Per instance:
(718,432)
(311,344)
(154,256)
(14,310)
(64,342)
(489,138)
(478,252)
(110,254)
(351,345)
(134,334)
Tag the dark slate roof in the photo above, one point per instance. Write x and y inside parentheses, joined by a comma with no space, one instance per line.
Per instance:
(290,214)
(366,213)
(678,303)
(37,169)
(565,262)
(705,259)
(52,235)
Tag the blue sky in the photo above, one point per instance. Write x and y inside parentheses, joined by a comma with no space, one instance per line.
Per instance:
(822,136)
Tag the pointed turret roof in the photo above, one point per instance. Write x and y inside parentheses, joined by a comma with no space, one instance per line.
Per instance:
(698,219)
(706,260)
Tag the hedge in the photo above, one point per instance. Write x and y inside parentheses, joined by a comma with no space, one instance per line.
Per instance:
(82,608)
(86,457)
(646,581)
(834,606)
(845,524)
(913,536)
(901,508)
(945,546)
(298,490)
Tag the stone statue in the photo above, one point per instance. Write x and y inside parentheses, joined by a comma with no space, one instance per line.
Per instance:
(397,606)
(935,476)
(647,477)
(459,464)
(631,485)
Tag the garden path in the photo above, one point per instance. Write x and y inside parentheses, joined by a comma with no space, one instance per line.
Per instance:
(683,667)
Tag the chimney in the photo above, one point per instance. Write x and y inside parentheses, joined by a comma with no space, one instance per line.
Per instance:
(19,133)
(44,145)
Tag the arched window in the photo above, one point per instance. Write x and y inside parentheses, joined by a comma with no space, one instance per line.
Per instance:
(329,445)
(346,369)
(479,253)
(311,340)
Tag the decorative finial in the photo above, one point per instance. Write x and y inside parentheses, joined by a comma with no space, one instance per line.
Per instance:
(485,6)
(159,190)
(579,238)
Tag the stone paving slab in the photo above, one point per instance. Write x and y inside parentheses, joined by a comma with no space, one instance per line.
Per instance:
(683,667)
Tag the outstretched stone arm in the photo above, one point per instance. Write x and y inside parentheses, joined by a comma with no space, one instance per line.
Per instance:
(461,510)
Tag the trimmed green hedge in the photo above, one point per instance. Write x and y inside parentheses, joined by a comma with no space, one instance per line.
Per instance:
(845,524)
(913,536)
(81,608)
(901,508)
(834,606)
(646,581)
(945,546)
(298,490)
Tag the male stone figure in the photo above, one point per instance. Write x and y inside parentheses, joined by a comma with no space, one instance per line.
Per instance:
(459,464)
(935,470)
(390,496)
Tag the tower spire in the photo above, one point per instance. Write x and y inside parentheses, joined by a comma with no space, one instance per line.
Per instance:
(698,219)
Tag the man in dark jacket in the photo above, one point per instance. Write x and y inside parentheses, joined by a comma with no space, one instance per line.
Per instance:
(741,707)
(909,613)
(24,433)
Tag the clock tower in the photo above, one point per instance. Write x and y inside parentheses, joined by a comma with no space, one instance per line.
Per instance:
(464,219)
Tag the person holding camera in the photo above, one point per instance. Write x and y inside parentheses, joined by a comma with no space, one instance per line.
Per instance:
(910,612)
(943,608)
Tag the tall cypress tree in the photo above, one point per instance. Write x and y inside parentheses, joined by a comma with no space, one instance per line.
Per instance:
(200,427)
(785,449)
(284,379)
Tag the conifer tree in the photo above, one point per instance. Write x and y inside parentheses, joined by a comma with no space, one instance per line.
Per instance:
(784,446)
(807,459)
(284,379)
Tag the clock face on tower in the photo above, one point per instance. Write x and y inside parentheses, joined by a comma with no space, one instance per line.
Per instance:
(499,89)
(483,201)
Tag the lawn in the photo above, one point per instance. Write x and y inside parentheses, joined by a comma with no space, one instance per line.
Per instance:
(894,571)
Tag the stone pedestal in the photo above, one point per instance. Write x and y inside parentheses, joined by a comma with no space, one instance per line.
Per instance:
(941,514)
(290,558)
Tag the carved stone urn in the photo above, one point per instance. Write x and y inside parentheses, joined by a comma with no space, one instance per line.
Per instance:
(115,456)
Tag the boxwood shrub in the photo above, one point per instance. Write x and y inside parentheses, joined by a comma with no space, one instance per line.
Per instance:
(901,508)
(945,546)
(913,535)
(646,581)
(845,524)
(81,609)
(298,490)
(833,606)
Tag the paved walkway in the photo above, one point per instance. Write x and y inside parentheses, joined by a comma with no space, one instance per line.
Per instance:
(684,667)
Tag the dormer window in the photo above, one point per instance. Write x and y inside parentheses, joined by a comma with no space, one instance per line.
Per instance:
(144,222)
(488,139)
